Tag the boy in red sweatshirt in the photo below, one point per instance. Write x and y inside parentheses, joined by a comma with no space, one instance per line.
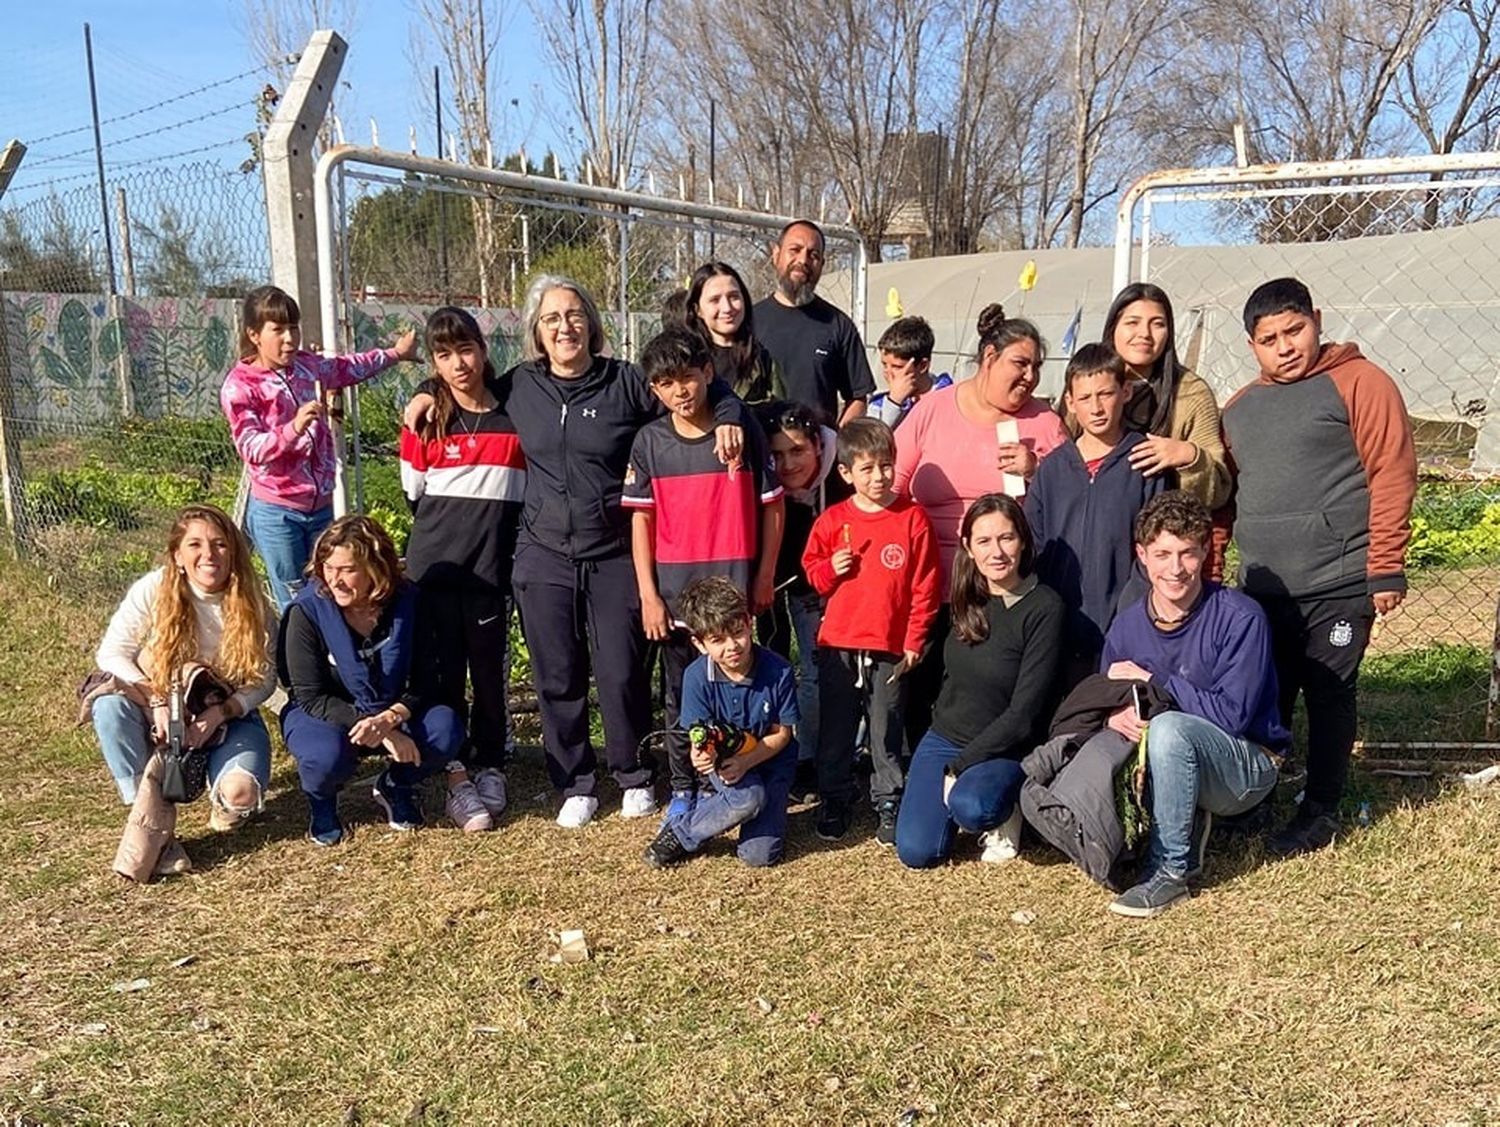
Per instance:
(874,558)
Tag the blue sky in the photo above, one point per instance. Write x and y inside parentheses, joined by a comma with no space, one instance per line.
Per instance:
(146,51)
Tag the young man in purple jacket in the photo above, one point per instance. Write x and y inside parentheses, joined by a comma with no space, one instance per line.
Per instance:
(1209,648)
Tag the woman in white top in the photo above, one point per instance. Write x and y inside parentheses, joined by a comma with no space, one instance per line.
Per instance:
(205,604)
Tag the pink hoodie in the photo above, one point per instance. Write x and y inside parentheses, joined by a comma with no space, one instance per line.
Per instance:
(286,468)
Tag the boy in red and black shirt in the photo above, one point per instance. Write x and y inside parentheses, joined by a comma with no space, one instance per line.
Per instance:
(873,557)
(693,517)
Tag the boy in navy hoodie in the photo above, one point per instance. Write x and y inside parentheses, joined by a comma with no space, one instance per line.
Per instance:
(1082,506)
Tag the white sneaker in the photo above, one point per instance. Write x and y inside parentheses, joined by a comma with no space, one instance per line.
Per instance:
(1003,844)
(639,802)
(577,811)
(490,783)
(467,810)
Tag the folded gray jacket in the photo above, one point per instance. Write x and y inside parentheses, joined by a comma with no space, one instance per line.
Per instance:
(1068,797)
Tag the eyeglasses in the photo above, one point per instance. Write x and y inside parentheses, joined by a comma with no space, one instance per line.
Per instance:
(576,319)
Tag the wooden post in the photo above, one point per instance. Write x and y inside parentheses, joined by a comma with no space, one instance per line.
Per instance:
(12,477)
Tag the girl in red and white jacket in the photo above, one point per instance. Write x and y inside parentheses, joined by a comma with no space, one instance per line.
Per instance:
(277,421)
(465,475)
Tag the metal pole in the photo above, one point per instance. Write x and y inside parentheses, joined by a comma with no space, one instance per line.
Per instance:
(127,260)
(713,147)
(437,100)
(109,250)
(626,342)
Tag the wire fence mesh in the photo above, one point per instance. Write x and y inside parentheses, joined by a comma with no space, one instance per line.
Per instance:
(411,243)
(1409,268)
(110,367)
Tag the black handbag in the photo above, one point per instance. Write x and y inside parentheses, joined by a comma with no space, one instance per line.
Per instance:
(184,771)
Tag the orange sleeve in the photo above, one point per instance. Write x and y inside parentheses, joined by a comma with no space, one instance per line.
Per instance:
(1382,436)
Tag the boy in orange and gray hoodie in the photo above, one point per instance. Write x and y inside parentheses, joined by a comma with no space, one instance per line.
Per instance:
(1327,476)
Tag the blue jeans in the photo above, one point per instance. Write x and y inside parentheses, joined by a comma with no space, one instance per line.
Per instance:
(1192,762)
(284,538)
(983,797)
(757,804)
(124,737)
(327,758)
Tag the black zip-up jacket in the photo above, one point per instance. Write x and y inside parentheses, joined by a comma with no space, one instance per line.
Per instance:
(576,435)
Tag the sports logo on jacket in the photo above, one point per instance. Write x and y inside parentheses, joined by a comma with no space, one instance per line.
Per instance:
(893,556)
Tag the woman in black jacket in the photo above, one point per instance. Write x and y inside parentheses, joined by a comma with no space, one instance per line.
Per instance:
(577,413)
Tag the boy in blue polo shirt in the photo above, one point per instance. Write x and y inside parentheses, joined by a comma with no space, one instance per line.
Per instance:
(739,686)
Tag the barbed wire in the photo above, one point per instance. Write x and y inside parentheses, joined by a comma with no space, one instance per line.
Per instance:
(148,133)
(147,109)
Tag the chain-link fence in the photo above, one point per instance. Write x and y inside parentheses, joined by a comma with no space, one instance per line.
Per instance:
(110,364)
(1408,267)
(409,243)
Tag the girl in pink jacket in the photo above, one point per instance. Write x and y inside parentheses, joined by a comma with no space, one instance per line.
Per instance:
(279,426)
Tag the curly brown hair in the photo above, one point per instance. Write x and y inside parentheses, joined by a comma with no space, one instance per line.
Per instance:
(373,551)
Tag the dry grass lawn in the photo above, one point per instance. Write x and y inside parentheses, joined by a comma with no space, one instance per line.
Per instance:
(407,979)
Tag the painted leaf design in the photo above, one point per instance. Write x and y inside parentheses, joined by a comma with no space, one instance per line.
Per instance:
(57,368)
(112,341)
(216,344)
(77,342)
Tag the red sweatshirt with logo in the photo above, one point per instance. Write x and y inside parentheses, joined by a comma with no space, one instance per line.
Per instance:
(888,600)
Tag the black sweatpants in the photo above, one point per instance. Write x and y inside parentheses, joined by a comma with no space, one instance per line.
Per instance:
(473,623)
(677,653)
(578,614)
(854,684)
(1317,645)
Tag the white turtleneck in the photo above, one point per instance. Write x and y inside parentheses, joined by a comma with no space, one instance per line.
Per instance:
(120,650)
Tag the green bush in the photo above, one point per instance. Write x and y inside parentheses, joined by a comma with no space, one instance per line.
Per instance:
(171,445)
(105,498)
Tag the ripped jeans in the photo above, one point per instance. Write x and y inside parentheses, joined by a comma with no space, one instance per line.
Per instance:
(124,738)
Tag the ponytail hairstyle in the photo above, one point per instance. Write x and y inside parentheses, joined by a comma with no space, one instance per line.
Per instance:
(262,304)
(172,640)
(997,332)
(448,327)
(1166,373)
(969,591)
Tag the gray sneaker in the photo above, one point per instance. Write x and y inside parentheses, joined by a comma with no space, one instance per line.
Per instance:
(1151,897)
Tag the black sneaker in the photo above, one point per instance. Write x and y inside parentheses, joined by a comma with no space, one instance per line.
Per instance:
(1255,822)
(1151,897)
(1203,825)
(804,784)
(664,850)
(1311,828)
(402,810)
(833,819)
(885,827)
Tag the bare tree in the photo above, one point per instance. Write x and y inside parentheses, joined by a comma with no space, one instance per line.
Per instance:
(1449,88)
(466,32)
(277,30)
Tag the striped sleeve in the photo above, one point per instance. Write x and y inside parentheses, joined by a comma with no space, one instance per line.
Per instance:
(637,493)
(413,466)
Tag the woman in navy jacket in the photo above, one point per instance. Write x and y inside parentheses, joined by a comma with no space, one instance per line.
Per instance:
(577,413)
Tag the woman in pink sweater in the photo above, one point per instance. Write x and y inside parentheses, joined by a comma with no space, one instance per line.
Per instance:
(982,435)
(277,421)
